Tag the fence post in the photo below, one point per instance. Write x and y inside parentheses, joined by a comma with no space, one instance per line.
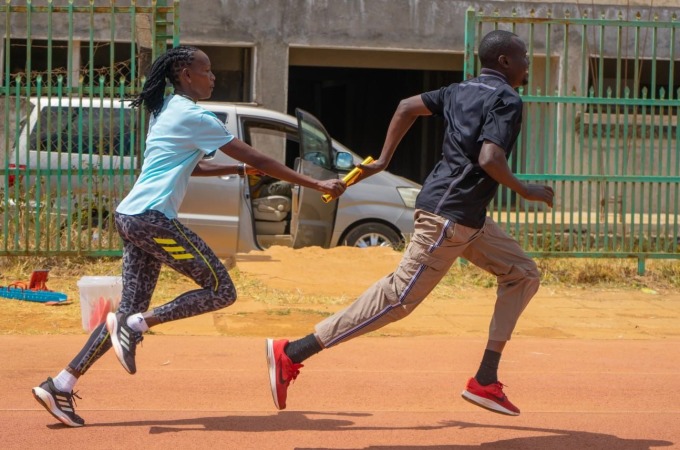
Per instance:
(469,63)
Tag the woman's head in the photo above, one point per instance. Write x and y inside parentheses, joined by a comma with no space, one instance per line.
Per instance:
(186,68)
(505,52)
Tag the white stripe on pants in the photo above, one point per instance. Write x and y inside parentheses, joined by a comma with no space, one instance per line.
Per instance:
(435,245)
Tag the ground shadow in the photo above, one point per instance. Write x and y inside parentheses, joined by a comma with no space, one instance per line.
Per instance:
(552,438)
(283,421)
(555,439)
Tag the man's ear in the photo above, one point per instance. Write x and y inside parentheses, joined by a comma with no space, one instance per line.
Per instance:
(503,61)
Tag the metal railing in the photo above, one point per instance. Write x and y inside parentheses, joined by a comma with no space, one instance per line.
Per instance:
(601,127)
(71,147)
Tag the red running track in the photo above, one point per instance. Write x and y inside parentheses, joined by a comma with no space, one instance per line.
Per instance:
(373,393)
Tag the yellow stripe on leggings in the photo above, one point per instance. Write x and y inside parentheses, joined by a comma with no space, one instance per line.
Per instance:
(174,249)
(201,255)
(165,241)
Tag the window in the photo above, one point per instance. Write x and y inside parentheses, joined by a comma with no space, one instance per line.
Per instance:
(278,140)
(105,131)
(99,57)
(222,116)
(651,82)
(233,74)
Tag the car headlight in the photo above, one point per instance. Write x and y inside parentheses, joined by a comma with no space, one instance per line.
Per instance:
(408,195)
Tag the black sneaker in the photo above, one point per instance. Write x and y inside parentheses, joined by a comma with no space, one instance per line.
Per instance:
(59,404)
(124,340)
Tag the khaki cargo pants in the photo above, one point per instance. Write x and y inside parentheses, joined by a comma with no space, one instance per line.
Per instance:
(435,245)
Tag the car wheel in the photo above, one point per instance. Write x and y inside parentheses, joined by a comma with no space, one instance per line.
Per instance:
(373,235)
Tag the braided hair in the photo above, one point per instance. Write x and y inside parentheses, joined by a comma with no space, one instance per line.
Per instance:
(166,67)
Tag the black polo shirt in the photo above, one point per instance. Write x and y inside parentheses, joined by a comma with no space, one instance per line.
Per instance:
(483,108)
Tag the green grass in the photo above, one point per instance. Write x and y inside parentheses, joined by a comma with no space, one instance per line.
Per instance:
(568,272)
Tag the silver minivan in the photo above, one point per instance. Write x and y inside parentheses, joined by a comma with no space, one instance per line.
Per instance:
(227,211)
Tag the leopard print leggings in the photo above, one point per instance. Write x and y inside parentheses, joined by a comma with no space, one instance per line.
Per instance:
(151,239)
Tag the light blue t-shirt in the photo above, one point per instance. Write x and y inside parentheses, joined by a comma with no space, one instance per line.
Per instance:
(181,134)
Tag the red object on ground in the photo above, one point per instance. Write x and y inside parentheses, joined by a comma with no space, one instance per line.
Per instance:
(11,178)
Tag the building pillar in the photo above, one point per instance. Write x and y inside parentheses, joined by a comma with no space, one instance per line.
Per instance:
(2,61)
(74,75)
(270,86)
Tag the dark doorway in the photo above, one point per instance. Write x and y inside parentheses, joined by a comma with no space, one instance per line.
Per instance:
(356,106)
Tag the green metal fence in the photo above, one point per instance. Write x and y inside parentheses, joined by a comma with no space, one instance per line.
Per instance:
(70,146)
(601,127)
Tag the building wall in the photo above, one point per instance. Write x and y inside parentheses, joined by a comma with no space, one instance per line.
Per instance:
(398,33)
(277,30)
(273,27)
(404,34)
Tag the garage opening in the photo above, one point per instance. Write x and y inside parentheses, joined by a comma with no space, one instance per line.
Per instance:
(355,92)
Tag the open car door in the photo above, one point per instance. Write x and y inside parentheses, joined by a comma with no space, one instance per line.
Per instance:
(312,220)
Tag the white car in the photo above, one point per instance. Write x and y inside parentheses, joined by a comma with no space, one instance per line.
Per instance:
(222,210)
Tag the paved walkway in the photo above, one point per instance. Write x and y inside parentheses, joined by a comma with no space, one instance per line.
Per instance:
(372,393)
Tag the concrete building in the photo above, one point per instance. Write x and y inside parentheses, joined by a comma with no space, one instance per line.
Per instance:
(349,62)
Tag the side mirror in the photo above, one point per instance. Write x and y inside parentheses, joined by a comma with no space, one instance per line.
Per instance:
(344,161)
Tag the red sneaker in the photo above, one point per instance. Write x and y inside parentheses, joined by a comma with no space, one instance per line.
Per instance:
(281,371)
(490,397)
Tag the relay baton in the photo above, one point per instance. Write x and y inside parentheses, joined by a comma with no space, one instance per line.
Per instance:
(349,179)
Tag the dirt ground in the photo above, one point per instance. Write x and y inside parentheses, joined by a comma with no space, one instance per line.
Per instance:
(284,292)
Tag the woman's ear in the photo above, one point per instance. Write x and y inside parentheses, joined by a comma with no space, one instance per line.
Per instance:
(184,75)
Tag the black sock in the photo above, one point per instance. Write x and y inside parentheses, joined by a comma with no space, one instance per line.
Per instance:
(488,369)
(303,348)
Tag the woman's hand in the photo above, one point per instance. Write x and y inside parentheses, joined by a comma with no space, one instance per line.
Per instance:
(334,187)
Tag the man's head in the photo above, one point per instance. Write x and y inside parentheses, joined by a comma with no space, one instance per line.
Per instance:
(505,52)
